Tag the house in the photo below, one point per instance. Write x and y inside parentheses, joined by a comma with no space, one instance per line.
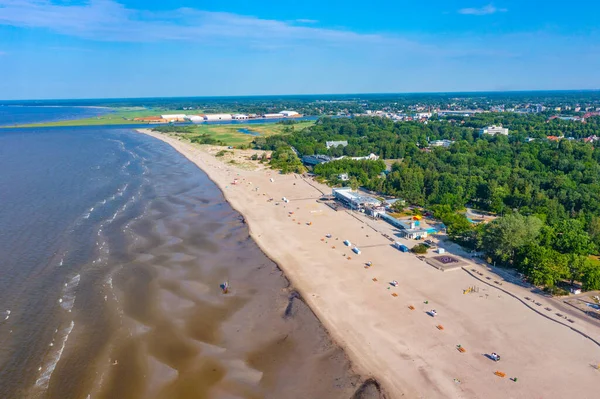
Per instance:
(273,116)
(330,144)
(239,117)
(413,234)
(441,143)
(494,130)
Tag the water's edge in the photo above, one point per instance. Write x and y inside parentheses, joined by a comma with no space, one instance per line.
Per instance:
(369,387)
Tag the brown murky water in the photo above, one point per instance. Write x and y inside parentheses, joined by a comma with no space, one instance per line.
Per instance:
(142,315)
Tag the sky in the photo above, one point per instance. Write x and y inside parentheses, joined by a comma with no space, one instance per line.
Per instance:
(54,49)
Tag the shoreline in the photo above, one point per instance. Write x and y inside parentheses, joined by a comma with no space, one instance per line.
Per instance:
(295,286)
(383,338)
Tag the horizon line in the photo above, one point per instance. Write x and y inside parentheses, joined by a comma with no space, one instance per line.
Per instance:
(304,95)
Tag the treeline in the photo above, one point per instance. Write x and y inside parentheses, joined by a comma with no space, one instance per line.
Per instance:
(547,254)
(352,103)
(553,179)
(286,160)
(173,129)
(366,135)
(537,126)
(548,192)
(360,172)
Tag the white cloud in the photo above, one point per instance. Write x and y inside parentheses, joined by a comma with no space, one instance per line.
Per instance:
(485,10)
(108,20)
(307,21)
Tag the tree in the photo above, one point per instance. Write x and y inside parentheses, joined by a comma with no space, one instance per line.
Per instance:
(594,231)
(542,265)
(577,266)
(504,235)
(398,206)
(591,278)
(571,238)
(457,225)
(419,249)
(285,159)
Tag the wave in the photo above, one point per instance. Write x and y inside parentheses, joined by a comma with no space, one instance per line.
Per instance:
(67,301)
(119,193)
(48,369)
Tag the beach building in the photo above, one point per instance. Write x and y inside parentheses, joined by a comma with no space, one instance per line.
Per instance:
(273,116)
(330,144)
(217,117)
(494,130)
(287,114)
(312,160)
(354,199)
(411,229)
(239,117)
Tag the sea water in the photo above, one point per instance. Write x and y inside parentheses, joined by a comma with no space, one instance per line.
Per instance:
(112,250)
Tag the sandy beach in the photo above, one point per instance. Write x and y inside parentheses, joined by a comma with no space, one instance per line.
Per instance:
(385,330)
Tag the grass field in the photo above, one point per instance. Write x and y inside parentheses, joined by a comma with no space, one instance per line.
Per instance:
(231,135)
(120,116)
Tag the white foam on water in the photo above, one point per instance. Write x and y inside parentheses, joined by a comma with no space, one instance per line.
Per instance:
(44,378)
(68,299)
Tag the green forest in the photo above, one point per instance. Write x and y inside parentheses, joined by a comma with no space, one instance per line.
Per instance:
(547,193)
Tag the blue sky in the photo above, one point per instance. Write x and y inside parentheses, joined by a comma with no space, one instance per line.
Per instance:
(134,48)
